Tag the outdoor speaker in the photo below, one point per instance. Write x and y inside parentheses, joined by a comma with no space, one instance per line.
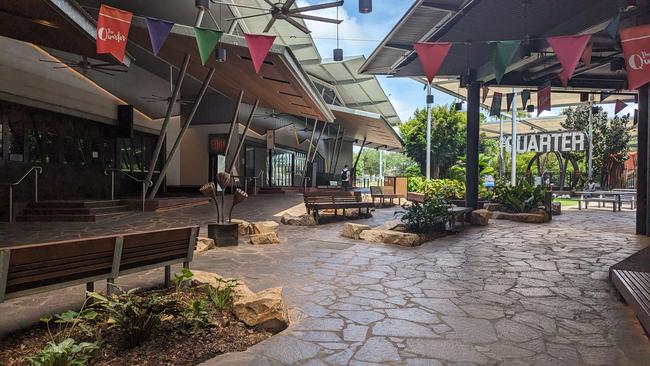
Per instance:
(458,106)
(584,97)
(221,54)
(365,6)
(617,64)
(338,54)
(530,108)
(202,4)
(125,121)
(430,99)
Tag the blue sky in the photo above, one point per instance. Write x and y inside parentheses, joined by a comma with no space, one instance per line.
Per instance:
(360,34)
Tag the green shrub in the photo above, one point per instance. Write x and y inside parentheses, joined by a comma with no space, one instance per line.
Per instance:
(221,296)
(182,279)
(428,217)
(521,198)
(449,189)
(65,353)
(136,317)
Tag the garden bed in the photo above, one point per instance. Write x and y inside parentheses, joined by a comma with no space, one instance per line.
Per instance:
(194,329)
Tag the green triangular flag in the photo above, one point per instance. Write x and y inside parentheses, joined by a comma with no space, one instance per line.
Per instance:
(206,40)
(502,53)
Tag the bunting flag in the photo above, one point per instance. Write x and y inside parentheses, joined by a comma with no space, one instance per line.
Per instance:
(636,48)
(206,41)
(544,98)
(431,56)
(259,46)
(586,55)
(604,95)
(158,32)
(495,109)
(502,53)
(568,50)
(113,31)
(510,97)
(525,97)
(620,105)
(612,27)
(486,90)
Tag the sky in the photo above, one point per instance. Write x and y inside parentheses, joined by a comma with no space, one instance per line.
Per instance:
(360,34)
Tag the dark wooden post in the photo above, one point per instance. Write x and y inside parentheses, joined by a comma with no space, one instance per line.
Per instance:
(642,163)
(473,126)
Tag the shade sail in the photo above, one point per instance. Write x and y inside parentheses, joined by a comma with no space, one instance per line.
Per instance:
(372,126)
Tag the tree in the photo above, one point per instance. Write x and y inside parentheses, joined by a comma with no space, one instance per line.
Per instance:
(448,130)
(394,163)
(611,139)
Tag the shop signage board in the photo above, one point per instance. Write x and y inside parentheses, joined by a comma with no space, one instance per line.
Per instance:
(566,141)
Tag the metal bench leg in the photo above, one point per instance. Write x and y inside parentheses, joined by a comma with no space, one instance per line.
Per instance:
(186,265)
(90,286)
(168,276)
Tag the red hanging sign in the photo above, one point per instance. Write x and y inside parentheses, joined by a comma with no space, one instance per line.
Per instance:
(113,31)
(636,48)
(431,56)
(568,50)
(259,46)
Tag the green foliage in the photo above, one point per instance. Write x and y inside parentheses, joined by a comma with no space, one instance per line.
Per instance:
(222,296)
(485,167)
(195,313)
(65,353)
(520,198)
(428,217)
(449,189)
(413,171)
(182,279)
(395,163)
(136,317)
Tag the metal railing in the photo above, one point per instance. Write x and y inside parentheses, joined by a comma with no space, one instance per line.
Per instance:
(142,182)
(37,170)
(254,179)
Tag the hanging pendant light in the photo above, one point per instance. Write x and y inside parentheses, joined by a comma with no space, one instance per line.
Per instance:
(338,52)
(365,6)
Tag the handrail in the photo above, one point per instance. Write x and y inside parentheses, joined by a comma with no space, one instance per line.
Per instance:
(143,182)
(37,170)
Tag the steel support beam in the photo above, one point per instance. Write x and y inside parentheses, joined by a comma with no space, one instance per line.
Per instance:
(338,152)
(356,161)
(311,140)
(243,137)
(642,162)
(336,144)
(179,139)
(320,135)
(233,124)
(473,130)
(163,129)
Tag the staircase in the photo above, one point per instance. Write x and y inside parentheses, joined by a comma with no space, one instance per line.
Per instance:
(72,211)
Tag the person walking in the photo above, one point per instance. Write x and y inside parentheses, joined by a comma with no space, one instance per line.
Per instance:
(345,178)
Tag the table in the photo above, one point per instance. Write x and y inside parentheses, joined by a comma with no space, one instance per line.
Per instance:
(614,196)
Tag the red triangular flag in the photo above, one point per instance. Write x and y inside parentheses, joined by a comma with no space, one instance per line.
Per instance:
(586,55)
(543,98)
(259,46)
(568,50)
(431,56)
(486,90)
(620,105)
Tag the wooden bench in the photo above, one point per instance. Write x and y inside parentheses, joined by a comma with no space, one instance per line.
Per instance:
(384,193)
(634,286)
(34,268)
(317,201)
(458,213)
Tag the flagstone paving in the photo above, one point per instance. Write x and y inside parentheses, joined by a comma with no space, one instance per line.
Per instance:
(506,294)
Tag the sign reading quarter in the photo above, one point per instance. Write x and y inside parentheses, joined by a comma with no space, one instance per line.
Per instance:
(566,141)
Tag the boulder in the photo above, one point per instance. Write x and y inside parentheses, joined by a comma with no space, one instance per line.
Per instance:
(264,239)
(304,220)
(352,231)
(534,217)
(479,217)
(390,225)
(264,227)
(204,244)
(392,237)
(493,207)
(264,309)
(244,226)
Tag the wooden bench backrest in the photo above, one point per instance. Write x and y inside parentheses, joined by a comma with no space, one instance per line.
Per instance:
(387,190)
(331,197)
(146,249)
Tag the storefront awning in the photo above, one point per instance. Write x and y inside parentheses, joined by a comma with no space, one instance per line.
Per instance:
(370,126)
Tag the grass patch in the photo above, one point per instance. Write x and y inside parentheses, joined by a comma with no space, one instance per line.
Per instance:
(567,202)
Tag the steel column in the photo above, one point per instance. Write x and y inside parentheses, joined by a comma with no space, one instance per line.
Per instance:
(243,137)
(235,119)
(320,135)
(428,149)
(311,140)
(336,144)
(356,161)
(186,126)
(338,152)
(642,163)
(590,158)
(513,135)
(473,130)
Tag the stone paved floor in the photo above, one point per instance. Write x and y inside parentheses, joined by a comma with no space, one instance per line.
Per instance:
(510,294)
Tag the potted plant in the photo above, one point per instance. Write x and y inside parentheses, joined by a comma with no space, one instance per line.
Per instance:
(224,233)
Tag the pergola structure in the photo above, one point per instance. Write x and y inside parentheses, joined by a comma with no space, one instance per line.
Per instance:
(470,24)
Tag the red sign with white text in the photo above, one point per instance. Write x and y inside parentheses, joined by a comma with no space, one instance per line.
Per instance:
(636,48)
(113,31)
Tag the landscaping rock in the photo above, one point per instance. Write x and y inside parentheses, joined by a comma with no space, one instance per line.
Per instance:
(264,227)
(264,239)
(204,244)
(392,237)
(352,231)
(304,220)
(493,207)
(534,217)
(479,217)
(244,226)
(389,225)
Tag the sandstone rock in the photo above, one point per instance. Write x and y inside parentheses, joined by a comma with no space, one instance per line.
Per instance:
(264,227)
(264,309)
(493,207)
(389,225)
(392,237)
(534,217)
(304,220)
(352,231)
(479,217)
(244,226)
(204,244)
(263,239)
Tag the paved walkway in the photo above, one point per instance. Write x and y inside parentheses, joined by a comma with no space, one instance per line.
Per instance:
(511,294)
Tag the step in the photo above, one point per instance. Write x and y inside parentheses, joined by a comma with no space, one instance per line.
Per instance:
(65,218)
(75,204)
(635,289)
(74,210)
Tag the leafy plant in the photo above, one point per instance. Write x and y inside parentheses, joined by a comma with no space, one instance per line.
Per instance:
(195,313)
(449,189)
(65,353)
(182,279)
(222,295)
(136,317)
(428,217)
(520,198)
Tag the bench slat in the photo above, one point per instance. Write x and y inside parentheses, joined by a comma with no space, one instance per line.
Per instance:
(107,260)
(60,250)
(138,240)
(154,251)
(127,251)
(63,261)
(636,299)
(57,276)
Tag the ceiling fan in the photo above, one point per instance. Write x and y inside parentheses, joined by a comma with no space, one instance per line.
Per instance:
(274,115)
(157,98)
(283,11)
(84,66)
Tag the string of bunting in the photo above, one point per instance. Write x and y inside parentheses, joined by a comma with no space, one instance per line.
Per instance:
(113,29)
